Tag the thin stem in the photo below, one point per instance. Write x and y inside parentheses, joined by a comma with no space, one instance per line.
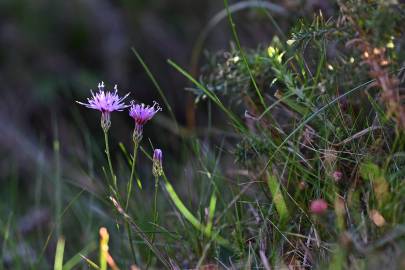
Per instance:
(131,178)
(155,217)
(131,244)
(155,204)
(107,152)
(236,37)
(159,254)
(114,179)
(129,190)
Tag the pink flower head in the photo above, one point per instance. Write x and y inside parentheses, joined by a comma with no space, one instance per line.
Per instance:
(143,113)
(105,101)
(337,176)
(318,207)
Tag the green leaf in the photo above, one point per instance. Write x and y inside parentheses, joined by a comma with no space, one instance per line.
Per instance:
(213,203)
(191,218)
(90,262)
(60,249)
(211,95)
(376,176)
(76,259)
(278,198)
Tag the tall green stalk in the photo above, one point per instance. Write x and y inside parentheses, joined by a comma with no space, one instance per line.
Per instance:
(130,240)
(131,178)
(155,217)
(129,190)
(115,187)
(107,152)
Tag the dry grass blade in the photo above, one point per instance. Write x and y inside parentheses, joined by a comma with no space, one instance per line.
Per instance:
(159,254)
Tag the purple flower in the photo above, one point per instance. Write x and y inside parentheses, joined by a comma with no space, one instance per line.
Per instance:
(142,113)
(157,168)
(105,102)
(158,155)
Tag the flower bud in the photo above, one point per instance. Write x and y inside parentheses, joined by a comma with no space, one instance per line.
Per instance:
(157,169)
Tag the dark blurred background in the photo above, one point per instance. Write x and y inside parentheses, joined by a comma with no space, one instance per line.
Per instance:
(53,52)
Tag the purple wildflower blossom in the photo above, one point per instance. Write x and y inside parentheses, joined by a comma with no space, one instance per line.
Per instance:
(142,113)
(105,102)
(157,169)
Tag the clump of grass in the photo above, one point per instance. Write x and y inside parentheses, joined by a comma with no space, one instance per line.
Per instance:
(328,130)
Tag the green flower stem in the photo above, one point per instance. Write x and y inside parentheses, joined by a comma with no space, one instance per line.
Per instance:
(155,217)
(130,240)
(129,190)
(131,178)
(107,152)
(115,186)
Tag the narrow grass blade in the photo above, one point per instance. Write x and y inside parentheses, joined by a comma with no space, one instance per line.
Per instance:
(76,259)
(235,35)
(103,248)
(191,218)
(211,212)
(60,249)
(182,208)
(156,84)
(57,181)
(138,181)
(6,231)
(90,262)
(125,153)
(53,227)
(210,94)
(159,254)
(278,198)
